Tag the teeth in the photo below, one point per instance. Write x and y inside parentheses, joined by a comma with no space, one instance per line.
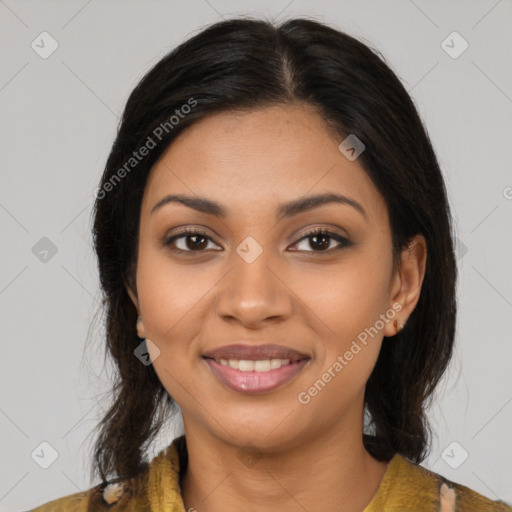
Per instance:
(263,365)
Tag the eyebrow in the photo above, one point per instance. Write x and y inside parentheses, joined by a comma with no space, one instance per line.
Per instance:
(304,204)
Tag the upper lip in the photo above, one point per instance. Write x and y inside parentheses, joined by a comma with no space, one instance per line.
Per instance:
(255,352)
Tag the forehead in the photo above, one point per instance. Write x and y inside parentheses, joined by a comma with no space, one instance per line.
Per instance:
(269,155)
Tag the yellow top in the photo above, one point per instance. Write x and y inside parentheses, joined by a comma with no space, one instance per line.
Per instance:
(405,487)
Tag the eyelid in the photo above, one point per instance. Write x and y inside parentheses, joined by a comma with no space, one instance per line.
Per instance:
(183,233)
(319,229)
(343,241)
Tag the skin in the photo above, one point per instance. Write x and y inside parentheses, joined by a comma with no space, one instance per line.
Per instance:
(304,456)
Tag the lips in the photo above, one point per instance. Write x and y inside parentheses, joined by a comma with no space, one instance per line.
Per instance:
(255,353)
(253,369)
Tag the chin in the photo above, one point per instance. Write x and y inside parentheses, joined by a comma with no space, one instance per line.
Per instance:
(265,436)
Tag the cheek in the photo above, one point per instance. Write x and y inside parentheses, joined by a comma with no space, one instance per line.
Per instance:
(170,293)
(349,307)
(170,298)
(346,298)
(349,301)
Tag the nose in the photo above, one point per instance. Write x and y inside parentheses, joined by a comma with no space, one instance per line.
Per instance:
(254,293)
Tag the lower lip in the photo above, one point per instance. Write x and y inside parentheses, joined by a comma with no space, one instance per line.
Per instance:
(256,382)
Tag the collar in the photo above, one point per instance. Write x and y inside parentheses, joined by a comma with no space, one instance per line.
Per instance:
(404,485)
(164,493)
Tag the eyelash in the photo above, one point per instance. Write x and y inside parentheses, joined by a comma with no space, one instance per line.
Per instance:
(344,242)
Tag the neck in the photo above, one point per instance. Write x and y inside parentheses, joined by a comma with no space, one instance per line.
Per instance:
(328,472)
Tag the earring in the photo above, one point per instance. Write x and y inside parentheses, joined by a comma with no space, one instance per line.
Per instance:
(395,323)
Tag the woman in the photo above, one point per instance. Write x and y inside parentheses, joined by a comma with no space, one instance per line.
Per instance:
(272,222)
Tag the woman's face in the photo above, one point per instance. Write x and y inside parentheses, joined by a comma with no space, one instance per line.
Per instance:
(253,278)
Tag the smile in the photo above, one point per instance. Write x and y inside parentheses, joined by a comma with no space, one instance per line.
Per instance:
(255,376)
(245,365)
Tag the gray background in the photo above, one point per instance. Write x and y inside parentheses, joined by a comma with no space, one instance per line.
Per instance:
(58,121)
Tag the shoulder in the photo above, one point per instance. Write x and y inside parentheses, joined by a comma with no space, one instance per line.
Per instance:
(120,494)
(407,483)
(158,482)
(468,500)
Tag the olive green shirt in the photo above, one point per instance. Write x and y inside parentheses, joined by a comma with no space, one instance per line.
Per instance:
(405,487)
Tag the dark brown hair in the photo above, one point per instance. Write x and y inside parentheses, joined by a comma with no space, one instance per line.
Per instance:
(246,63)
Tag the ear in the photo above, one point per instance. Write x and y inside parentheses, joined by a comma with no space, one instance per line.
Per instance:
(131,289)
(407,282)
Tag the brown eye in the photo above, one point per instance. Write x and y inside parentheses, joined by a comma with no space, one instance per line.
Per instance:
(189,241)
(193,242)
(321,240)
(318,241)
